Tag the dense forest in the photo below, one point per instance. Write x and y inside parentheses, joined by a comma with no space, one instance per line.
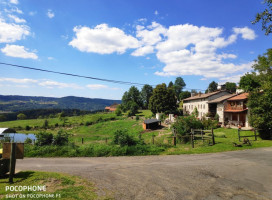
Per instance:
(14,103)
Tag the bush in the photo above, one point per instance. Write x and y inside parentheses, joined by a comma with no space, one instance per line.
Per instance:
(137,117)
(28,141)
(45,124)
(209,124)
(122,138)
(44,138)
(118,111)
(61,138)
(183,125)
(27,128)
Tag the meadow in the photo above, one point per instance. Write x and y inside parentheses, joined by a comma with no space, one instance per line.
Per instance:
(92,135)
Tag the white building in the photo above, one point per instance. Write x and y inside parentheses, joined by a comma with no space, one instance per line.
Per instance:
(200,101)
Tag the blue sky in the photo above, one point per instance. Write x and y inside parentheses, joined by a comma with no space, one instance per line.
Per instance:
(149,42)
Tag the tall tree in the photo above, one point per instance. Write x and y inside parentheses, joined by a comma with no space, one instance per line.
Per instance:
(231,87)
(131,97)
(171,84)
(146,93)
(249,82)
(163,100)
(212,87)
(260,98)
(184,95)
(265,17)
(179,85)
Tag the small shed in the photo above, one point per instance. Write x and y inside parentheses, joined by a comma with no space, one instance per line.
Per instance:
(151,124)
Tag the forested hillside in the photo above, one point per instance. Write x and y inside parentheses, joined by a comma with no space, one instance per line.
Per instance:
(14,103)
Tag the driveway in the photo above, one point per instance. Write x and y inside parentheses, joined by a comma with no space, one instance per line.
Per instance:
(242,175)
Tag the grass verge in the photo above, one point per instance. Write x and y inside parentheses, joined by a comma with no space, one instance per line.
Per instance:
(58,186)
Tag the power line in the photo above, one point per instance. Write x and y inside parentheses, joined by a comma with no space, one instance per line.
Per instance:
(81,76)
(74,75)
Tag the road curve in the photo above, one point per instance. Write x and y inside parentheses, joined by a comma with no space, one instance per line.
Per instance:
(241,175)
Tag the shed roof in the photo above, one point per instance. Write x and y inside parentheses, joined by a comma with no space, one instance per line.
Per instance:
(150,121)
(201,96)
(223,98)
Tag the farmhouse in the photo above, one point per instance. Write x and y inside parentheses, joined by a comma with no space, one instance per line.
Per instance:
(200,101)
(111,108)
(231,108)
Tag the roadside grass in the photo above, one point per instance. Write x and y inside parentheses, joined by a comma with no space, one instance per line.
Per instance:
(68,187)
(224,139)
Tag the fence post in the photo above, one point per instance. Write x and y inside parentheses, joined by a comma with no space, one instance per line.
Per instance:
(192,140)
(213,141)
(175,140)
(140,136)
(255,134)
(202,136)
(106,140)
(12,162)
(239,134)
(82,140)
(153,141)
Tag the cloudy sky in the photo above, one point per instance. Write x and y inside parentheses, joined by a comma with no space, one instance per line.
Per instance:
(139,41)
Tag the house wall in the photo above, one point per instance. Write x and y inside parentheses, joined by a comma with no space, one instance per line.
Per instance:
(220,111)
(201,104)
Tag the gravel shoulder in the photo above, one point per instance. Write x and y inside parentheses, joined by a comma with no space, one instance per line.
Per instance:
(242,175)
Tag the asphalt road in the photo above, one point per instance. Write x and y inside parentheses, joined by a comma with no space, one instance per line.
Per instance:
(235,175)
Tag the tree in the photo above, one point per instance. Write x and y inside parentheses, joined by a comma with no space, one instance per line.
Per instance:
(171,84)
(163,100)
(260,98)
(179,85)
(249,82)
(265,17)
(231,87)
(212,87)
(133,95)
(146,93)
(2,118)
(184,95)
(21,116)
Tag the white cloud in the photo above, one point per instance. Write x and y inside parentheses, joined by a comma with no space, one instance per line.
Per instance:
(14,2)
(16,80)
(14,10)
(18,52)
(247,33)
(156,12)
(50,13)
(143,51)
(103,40)
(50,58)
(96,86)
(54,84)
(17,19)
(12,32)
(192,50)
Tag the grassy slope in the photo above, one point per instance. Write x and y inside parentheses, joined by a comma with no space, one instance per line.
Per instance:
(98,132)
(69,187)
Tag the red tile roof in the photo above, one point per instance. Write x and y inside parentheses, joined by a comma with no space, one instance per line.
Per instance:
(242,96)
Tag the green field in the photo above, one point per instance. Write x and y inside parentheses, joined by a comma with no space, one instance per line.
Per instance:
(97,131)
(58,186)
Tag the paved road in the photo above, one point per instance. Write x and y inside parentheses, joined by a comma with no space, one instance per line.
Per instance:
(242,175)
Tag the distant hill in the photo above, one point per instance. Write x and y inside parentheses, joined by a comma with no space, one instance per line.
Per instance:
(15,103)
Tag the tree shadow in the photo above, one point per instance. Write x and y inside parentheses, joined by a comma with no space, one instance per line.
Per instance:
(20,176)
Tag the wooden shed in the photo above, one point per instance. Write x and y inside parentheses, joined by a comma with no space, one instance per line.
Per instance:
(151,124)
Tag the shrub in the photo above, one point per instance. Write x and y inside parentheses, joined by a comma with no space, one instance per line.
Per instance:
(118,111)
(209,124)
(61,138)
(216,117)
(44,138)
(27,128)
(183,125)
(122,138)
(45,123)
(137,117)
(28,141)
